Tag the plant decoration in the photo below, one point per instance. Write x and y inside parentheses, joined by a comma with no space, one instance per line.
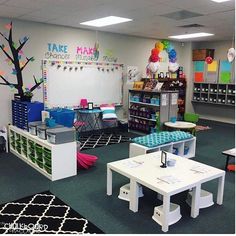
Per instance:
(153,63)
(19,63)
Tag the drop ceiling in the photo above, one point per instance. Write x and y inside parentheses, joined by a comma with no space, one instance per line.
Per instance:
(150,17)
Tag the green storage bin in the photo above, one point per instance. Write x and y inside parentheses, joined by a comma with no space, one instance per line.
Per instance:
(47,161)
(47,153)
(48,169)
(32,158)
(39,162)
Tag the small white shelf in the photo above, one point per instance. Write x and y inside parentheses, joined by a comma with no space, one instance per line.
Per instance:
(144,103)
(63,158)
(143,118)
(137,149)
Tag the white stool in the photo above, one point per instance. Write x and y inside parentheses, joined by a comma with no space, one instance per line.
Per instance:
(3,133)
(125,190)
(206,199)
(174,215)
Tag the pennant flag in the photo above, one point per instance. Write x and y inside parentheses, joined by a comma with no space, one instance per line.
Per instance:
(2,72)
(10,63)
(32,59)
(19,57)
(21,52)
(22,63)
(24,39)
(13,72)
(39,87)
(14,44)
(8,26)
(5,48)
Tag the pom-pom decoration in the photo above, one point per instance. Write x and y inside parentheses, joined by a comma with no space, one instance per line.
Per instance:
(208,60)
(231,54)
(153,67)
(173,67)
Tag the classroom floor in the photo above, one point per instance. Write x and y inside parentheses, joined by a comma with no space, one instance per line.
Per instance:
(86,192)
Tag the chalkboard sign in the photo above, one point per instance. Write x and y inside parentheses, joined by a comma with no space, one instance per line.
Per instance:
(67,82)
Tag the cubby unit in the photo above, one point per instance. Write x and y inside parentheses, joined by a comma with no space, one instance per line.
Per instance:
(212,93)
(185,148)
(54,161)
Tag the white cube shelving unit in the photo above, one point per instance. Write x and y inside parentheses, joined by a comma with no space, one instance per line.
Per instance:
(55,161)
(182,147)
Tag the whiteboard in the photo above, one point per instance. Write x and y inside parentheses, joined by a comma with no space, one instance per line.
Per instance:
(66,83)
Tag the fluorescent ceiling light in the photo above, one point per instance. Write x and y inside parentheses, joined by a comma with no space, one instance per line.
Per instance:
(219,1)
(109,20)
(189,36)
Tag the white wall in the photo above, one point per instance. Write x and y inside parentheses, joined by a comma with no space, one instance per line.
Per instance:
(129,51)
(133,51)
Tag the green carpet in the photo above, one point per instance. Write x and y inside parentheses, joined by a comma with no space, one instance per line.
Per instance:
(86,192)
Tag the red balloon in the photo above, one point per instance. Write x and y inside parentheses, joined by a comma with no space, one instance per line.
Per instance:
(208,60)
(155,51)
(154,58)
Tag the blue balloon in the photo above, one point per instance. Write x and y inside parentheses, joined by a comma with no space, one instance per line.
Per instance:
(169,48)
(173,60)
(172,54)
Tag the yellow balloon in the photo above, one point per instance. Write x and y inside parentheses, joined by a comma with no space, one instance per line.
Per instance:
(159,46)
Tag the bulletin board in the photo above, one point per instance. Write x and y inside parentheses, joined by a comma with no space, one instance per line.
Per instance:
(212,72)
(226,74)
(199,71)
(67,82)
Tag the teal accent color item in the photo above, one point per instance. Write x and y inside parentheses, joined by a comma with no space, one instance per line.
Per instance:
(108,111)
(157,139)
(199,66)
(153,140)
(225,66)
(180,135)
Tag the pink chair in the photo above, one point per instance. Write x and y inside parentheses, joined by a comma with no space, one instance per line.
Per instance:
(85,160)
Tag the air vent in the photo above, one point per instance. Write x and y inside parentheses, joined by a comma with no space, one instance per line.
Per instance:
(181,15)
(191,26)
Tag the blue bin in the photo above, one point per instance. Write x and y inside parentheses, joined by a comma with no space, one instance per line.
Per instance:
(63,116)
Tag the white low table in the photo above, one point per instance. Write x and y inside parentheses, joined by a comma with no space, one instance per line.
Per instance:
(180,125)
(149,173)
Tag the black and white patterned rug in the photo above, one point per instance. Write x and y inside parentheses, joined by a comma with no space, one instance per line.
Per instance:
(42,213)
(99,140)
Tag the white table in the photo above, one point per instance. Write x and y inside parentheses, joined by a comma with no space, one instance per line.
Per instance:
(149,171)
(180,125)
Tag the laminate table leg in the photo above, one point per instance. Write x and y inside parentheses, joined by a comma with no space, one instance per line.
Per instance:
(196,194)
(134,190)
(220,191)
(109,181)
(166,212)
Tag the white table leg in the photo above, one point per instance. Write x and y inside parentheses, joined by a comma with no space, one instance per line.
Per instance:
(220,192)
(109,181)
(166,211)
(196,193)
(134,189)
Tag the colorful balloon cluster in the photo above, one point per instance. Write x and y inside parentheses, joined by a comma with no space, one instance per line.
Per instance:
(153,65)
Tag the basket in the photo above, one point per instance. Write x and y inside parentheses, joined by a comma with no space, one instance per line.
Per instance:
(48,169)
(63,116)
(39,162)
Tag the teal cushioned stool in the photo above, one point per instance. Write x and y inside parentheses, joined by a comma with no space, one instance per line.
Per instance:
(154,139)
(179,135)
